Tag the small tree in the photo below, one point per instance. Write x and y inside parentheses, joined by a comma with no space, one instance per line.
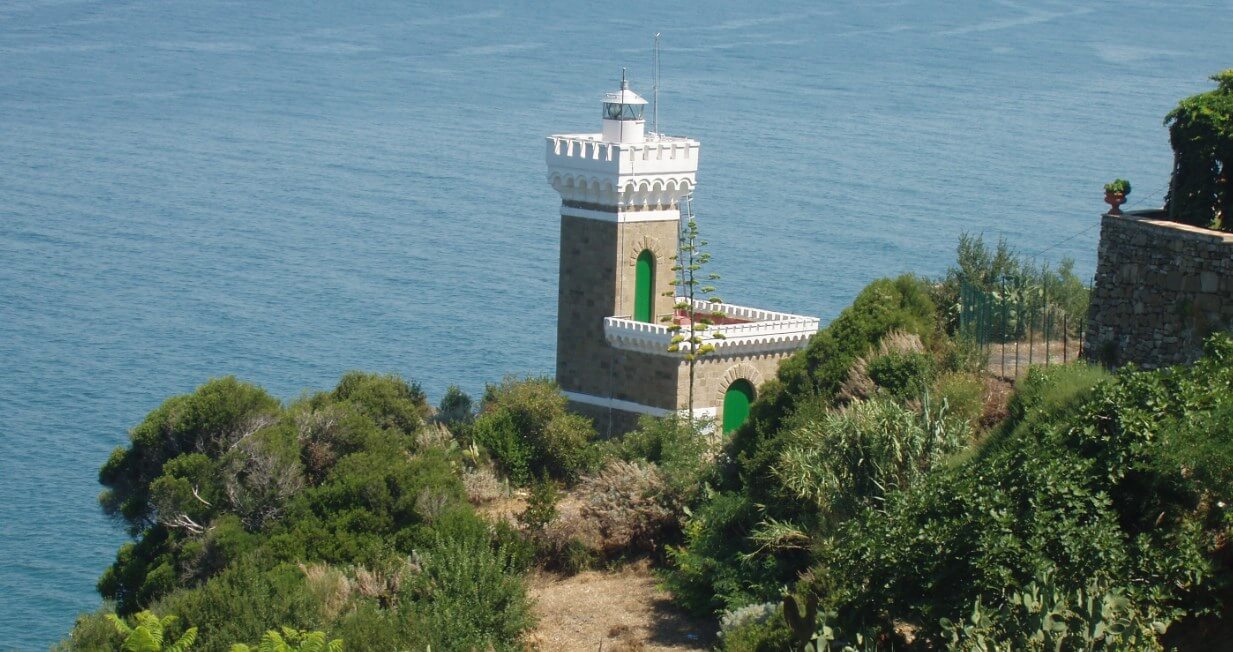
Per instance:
(690,262)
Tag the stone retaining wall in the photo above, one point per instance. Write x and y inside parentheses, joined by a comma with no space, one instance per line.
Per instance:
(1161,288)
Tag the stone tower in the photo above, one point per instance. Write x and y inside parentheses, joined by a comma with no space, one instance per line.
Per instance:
(622,190)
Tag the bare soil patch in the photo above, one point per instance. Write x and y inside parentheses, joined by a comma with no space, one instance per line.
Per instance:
(620,610)
(997,399)
(1012,359)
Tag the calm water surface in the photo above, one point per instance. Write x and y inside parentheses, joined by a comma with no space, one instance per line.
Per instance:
(285,190)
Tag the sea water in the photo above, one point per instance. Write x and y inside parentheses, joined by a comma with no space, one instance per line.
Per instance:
(285,190)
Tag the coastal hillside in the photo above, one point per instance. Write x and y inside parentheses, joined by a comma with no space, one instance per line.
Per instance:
(900,495)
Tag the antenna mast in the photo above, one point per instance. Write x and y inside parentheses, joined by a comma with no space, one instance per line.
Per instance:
(655,91)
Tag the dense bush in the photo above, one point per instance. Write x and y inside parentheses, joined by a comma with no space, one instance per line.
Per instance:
(630,506)
(682,448)
(1040,618)
(468,595)
(526,428)
(386,399)
(755,628)
(1201,133)
(712,570)
(743,543)
(249,515)
(455,408)
(896,360)
(905,376)
(1079,486)
(829,468)
(839,464)
(963,395)
(207,421)
(1094,489)
(816,374)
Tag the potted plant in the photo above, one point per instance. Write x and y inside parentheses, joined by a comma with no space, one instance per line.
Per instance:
(1115,195)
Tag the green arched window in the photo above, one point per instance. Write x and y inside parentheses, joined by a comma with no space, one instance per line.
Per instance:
(644,287)
(736,404)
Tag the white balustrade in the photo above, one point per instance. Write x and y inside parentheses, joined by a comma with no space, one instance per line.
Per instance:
(764,330)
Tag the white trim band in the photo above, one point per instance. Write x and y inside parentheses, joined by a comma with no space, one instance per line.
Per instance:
(630,406)
(623,217)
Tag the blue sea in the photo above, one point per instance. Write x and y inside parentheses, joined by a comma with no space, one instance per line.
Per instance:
(286,190)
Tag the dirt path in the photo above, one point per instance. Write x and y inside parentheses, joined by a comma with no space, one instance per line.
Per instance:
(613,611)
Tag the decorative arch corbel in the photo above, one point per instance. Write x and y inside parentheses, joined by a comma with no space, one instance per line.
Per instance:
(738,371)
(646,243)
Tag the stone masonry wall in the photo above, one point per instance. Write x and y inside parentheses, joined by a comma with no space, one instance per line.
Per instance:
(586,294)
(608,422)
(713,374)
(1161,288)
(663,381)
(596,280)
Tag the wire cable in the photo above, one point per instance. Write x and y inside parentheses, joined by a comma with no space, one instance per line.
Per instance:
(1137,204)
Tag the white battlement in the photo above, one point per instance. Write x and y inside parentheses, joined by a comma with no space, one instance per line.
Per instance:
(653,175)
(590,146)
(759,331)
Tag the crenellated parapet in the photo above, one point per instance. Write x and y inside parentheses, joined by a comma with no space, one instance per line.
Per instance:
(652,176)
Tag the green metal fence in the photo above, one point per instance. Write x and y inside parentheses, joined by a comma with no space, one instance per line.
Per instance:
(1017,323)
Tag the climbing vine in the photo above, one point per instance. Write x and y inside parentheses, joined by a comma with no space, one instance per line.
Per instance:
(1201,133)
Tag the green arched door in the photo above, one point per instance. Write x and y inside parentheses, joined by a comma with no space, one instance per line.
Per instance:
(736,404)
(644,287)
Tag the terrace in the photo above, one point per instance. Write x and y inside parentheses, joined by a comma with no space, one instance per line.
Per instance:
(744,330)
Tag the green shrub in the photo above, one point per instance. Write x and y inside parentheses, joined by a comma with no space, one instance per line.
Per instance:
(1200,449)
(256,517)
(91,632)
(207,421)
(1041,617)
(287,639)
(963,394)
(527,430)
(469,596)
(755,628)
(455,407)
(498,433)
(988,269)
(820,369)
(388,400)
(367,627)
(541,505)
(904,376)
(710,571)
(679,447)
(241,603)
(1082,484)
(1202,141)
(850,458)
(1048,393)
(962,354)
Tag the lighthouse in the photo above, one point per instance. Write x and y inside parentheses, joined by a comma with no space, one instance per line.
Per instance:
(622,192)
